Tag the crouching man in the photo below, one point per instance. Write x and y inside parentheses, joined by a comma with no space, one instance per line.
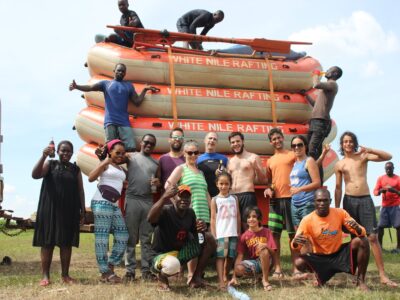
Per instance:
(175,239)
(319,238)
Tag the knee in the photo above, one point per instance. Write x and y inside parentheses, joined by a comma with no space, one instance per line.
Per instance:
(210,241)
(265,255)
(299,263)
(360,242)
(239,270)
(170,265)
(372,238)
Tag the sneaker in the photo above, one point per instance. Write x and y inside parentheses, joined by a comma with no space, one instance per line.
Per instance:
(129,277)
(148,276)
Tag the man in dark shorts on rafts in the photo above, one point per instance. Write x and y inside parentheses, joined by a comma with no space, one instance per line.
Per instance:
(319,238)
(198,18)
(175,240)
(117,94)
(357,200)
(389,187)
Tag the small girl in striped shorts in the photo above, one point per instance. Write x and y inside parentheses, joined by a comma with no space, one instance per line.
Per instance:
(225,226)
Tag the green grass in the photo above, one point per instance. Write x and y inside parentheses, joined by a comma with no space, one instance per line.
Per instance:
(20,280)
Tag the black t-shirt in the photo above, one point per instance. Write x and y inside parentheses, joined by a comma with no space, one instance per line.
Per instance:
(208,163)
(173,231)
(197,18)
(124,21)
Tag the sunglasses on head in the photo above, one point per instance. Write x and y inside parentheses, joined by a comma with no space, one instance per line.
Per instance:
(299,145)
(190,153)
(152,144)
(177,137)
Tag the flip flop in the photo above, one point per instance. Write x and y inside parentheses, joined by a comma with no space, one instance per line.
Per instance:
(277,275)
(44,282)
(267,287)
(390,283)
(163,288)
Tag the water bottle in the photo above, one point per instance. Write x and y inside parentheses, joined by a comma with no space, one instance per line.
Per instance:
(153,187)
(220,167)
(237,294)
(52,153)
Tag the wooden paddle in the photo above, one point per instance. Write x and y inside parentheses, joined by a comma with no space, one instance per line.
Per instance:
(151,36)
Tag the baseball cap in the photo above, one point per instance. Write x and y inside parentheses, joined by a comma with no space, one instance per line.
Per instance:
(184,188)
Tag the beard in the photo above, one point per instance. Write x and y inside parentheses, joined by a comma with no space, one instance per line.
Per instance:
(176,148)
(240,151)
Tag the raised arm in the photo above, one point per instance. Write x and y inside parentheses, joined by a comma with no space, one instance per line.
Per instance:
(155,211)
(375,154)
(42,166)
(100,168)
(325,151)
(138,99)
(85,88)
(338,186)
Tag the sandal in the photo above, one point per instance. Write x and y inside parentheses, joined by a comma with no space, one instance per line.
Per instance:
(267,287)
(277,275)
(44,282)
(68,280)
(111,278)
(390,283)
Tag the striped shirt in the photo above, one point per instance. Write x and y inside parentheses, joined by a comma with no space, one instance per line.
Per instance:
(198,186)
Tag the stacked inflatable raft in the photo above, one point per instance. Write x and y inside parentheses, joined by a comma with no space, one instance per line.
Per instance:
(221,94)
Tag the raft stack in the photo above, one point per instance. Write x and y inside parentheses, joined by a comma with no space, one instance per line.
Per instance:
(213,93)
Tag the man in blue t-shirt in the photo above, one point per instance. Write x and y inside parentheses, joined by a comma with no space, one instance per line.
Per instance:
(210,161)
(117,94)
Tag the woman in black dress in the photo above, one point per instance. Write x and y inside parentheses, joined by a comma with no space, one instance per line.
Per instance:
(61,208)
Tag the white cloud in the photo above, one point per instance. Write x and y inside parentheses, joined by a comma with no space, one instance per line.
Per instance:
(358,35)
(371,69)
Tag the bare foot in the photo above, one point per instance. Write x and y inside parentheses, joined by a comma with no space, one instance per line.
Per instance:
(163,284)
(68,280)
(363,287)
(196,283)
(386,281)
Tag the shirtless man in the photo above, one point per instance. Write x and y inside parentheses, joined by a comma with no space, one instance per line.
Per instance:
(245,168)
(280,217)
(357,200)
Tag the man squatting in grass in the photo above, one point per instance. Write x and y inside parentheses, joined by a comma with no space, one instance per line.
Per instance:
(175,240)
(319,237)
(357,200)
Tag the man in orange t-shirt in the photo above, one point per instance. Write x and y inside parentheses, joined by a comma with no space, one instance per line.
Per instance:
(319,238)
(279,167)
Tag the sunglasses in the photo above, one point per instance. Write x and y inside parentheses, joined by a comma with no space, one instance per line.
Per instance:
(299,145)
(190,153)
(176,137)
(149,143)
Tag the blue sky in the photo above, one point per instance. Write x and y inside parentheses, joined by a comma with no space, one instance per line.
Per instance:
(44,46)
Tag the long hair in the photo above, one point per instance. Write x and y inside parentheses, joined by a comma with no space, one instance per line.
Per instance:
(354,139)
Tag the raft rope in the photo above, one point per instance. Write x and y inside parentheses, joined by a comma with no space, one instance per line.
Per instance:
(271,92)
(173,89)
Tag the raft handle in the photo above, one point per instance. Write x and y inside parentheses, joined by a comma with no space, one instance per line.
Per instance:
(157,124)
(285,66)
(292,129)
(286,97)
(156,56)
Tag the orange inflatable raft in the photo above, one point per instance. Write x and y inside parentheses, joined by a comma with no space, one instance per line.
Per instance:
(202,70)
(214,104)
(89,125)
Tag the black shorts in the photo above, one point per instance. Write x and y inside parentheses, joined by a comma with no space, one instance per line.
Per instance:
(361,209)
(246,199)
(280,215)
(325,266)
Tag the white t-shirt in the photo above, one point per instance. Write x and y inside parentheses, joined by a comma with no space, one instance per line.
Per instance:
(226,217)
(113,177)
